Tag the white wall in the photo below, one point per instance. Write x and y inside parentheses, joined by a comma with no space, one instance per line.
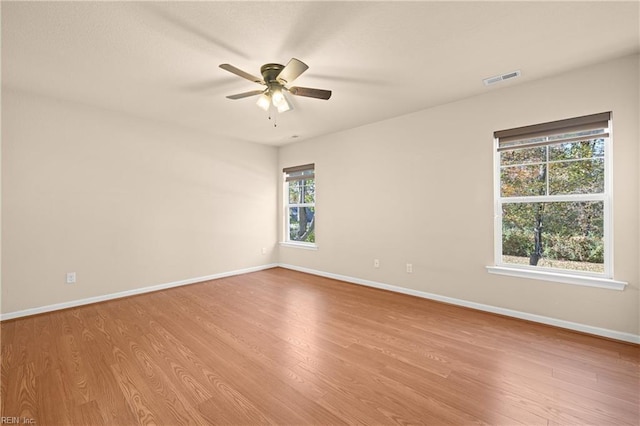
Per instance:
(419,189)
(128,203)
(124,202)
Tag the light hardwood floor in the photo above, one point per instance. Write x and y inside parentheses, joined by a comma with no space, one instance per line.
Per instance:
(283,347)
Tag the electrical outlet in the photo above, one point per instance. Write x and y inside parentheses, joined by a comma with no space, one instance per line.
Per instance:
(71,277)
(409,268)
(376,263)
(264,250)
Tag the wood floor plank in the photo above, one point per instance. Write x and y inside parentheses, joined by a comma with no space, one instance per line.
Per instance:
(90,414)
(136,397)
(22,391)
(54,410)
(284,347)
(226,371)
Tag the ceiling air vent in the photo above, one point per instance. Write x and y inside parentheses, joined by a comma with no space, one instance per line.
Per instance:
(498,78)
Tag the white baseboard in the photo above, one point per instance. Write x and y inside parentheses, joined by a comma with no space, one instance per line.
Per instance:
(612,334)
(136,291)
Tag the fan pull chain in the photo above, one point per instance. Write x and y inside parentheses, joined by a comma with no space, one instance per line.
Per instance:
(275,120)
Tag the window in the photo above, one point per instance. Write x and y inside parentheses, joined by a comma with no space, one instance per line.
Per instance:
(553,192)
(300,204)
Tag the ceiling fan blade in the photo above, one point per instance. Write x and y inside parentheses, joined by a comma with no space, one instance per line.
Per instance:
(245,94)
(310,93)
(292,70)
(243,74)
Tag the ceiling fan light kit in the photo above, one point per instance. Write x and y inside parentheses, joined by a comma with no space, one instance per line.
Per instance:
(276,78)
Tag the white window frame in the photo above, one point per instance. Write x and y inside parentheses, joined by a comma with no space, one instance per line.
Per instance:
(591,279)
(286,240)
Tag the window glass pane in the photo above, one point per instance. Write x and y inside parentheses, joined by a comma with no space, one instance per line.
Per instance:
(519,181)
(565,235)
(575,150)
(577,177)
(302,191)
(294,192)
(302,224)
(309,195)
(523,156)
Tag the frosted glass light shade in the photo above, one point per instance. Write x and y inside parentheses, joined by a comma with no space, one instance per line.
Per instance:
(264,101)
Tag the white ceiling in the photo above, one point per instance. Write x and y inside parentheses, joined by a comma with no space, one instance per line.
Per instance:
(159,60)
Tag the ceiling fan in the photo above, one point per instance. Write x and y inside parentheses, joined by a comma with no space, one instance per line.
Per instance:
(277,78)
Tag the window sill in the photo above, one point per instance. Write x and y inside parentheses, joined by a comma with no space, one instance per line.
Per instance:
(304,246)
(557,277)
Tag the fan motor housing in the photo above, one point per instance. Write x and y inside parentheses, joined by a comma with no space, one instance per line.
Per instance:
(270,72)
